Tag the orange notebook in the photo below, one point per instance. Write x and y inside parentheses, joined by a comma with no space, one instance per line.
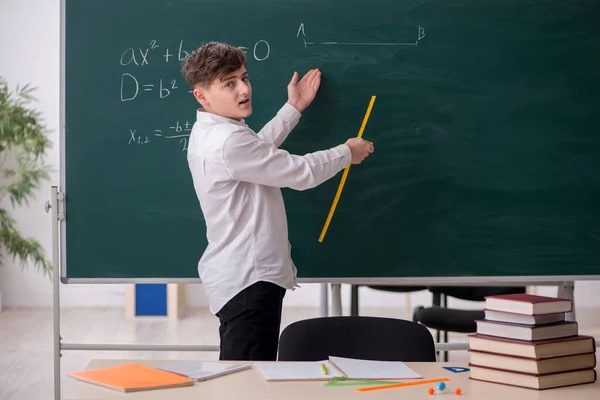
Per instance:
(131,378)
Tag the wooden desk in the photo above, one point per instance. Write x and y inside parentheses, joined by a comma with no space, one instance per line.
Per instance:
(249,385)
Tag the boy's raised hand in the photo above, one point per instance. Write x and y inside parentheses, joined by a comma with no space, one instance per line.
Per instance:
(301,94)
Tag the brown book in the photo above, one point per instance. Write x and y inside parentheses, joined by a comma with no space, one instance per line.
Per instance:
(514,318)
(539,349)
(532,381)
(528,304)
(533,365)
(527,332)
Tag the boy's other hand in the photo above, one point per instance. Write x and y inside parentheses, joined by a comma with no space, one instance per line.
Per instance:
(360,149)
(301,94)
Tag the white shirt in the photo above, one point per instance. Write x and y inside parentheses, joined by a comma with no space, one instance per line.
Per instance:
(237,176)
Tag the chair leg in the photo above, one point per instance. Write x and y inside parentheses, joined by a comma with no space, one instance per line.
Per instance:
(444,303)
(436,299)
(437,340)
(441,300)
(446,341)
(354,300)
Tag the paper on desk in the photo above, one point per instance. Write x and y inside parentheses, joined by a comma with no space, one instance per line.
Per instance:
(367,369)
(296,370)
(203,370)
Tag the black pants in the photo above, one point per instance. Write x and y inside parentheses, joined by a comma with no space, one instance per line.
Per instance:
(250,323)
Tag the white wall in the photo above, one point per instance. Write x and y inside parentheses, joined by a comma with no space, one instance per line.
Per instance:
(29,53)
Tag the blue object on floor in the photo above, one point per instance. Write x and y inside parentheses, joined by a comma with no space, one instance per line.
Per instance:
(151,299)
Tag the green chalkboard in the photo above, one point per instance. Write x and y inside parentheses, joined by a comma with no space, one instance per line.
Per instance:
(486,126)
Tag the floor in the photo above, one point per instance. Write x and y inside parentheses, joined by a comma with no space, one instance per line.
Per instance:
(26,353)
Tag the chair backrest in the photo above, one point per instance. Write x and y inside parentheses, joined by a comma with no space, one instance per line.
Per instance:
(367,338)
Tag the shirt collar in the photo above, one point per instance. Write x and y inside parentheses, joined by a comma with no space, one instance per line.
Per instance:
(205,116)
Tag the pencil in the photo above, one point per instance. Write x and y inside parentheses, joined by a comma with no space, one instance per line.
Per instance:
(403,384)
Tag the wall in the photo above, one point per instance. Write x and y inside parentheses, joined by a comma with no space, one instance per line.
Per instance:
(30,53)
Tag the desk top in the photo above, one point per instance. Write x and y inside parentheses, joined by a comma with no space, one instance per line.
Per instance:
(249,385)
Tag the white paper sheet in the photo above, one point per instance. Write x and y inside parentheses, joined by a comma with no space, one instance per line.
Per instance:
(366,369)
(203,370)
(296,370)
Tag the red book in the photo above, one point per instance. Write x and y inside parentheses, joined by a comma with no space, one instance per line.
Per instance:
(528,304)
(533,381)
(539,349)
(535,366)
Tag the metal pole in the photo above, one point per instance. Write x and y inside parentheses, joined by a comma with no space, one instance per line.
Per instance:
(324,300)
(138,347)
(336,299)
(566,290)
(451,346)
(53,206)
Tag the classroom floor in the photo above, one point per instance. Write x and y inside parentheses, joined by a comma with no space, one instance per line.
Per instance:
(26,364)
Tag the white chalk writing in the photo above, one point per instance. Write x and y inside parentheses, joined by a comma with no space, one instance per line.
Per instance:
(143,77)
(135,84)
(420,36)
(177,131)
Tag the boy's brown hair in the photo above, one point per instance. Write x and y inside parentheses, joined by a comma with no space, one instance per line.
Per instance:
(211,61)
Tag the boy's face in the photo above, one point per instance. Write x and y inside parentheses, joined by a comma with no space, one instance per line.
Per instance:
(229,96)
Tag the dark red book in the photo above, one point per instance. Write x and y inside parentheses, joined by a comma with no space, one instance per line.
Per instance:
(540,349)
(533,381)
(535,366)
(528,304)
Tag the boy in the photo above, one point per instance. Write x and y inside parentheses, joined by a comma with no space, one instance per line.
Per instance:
(237,174)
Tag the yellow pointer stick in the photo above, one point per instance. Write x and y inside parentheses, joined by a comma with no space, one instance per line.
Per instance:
(339,191)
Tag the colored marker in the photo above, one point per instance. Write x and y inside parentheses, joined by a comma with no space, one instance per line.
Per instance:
(324,369)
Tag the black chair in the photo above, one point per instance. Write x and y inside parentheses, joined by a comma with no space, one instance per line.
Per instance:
(367,338)
(444,319)
(386,288)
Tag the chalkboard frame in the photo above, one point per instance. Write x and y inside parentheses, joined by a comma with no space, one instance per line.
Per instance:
(63,226)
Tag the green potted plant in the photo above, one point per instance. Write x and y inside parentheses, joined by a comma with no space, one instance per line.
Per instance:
(23,144)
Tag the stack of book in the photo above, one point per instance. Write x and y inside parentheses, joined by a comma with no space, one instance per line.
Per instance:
(526,341)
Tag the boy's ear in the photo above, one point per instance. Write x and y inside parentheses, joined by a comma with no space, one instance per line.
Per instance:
(200,95)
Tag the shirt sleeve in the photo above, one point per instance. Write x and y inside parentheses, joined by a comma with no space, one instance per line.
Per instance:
(250,159)
(278,129)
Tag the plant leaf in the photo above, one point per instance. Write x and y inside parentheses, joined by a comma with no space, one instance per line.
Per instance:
(19,247)
(23,145)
